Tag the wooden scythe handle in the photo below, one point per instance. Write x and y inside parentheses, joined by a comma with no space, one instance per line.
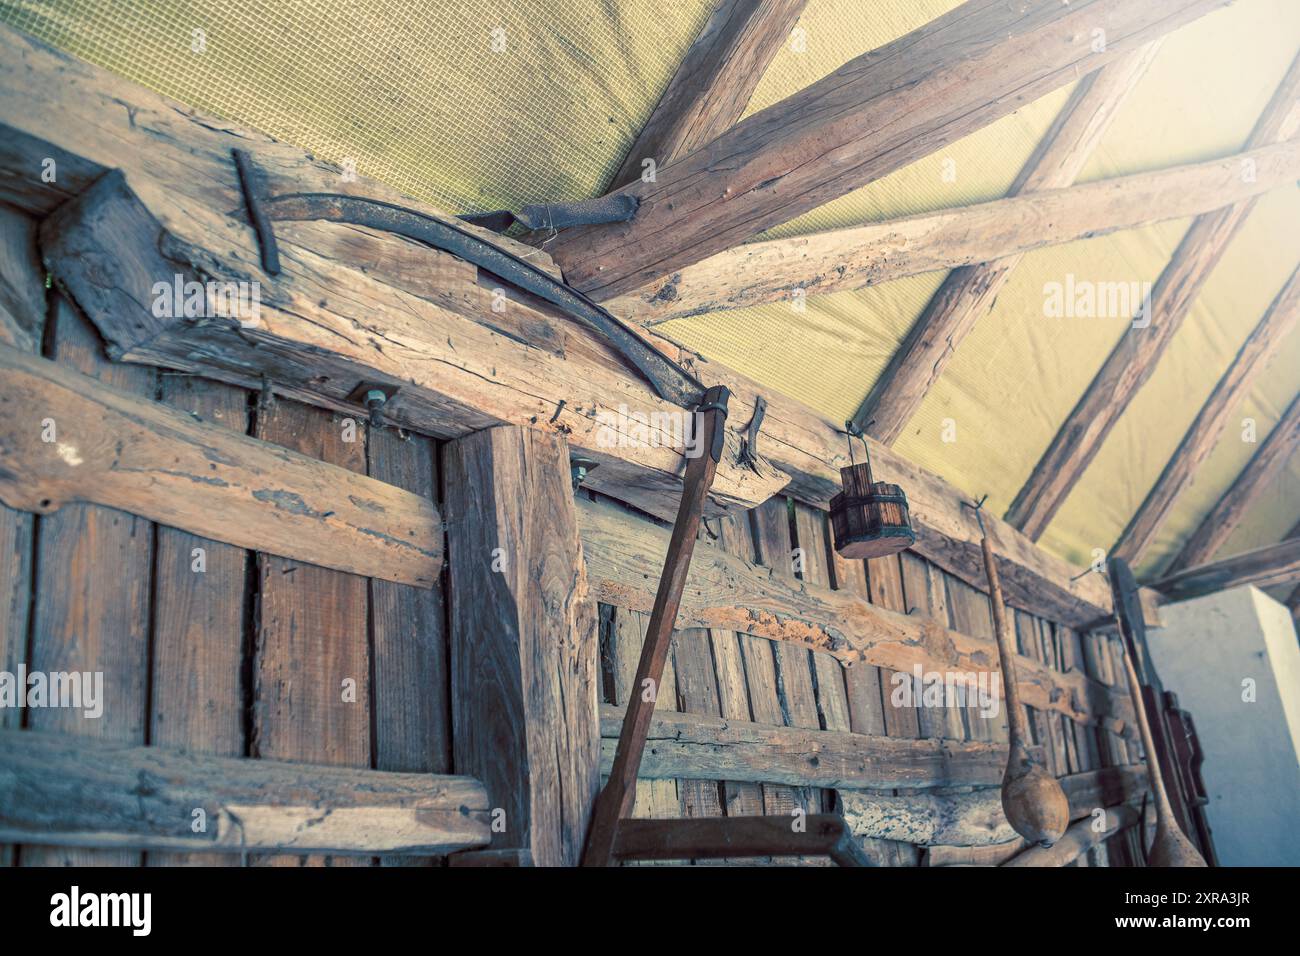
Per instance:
(618,797)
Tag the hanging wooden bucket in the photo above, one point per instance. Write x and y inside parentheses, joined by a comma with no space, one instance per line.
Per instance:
(869,518)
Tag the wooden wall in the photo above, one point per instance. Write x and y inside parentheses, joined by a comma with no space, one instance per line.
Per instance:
(753,679)
(204,646)
(214,649)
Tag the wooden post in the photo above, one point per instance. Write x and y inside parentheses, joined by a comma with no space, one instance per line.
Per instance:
(523,640)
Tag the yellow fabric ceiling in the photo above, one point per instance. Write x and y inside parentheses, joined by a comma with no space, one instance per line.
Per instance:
(478,105)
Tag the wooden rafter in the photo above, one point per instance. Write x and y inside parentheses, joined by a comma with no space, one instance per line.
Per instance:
(1135,356)
(1277,565)
(712,87)
(875,114)
(1259,475)
(779,269)
(1203,434)
(968,292)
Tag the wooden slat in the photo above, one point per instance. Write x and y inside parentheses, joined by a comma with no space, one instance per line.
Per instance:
(1256,479)
(1203,434)
(199,613)
(875,114)
(697,693)
(1135,356)
(968,292)
(624,558)
(713,84)
(92,582)
(74,791)
(22,324)
(719,748)
(523,634)
(810,537)
(770,524)
(966,238)
(125,451)
(312,628)
(1277,565)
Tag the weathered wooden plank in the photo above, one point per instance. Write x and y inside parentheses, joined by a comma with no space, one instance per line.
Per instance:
(770,526)
(654,797)
(623,561)
(74,791)
(1204,432)
(1274,565)
(523,638)
(810,537)
(969,239)
(1138,351)
(714,82)
(22,323)
(412,707)
(969,291)
(740,798)
(1259,475)
(92,582)
(311,660)
(697,693)
(976,818)
(719,748)
(1079,839)
(199,614)
(738,837)
(924,591)
(117,449)
(22,289)
(994,855)
(877,113)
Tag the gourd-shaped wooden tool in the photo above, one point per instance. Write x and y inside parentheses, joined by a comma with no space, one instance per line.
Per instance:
(1032,799)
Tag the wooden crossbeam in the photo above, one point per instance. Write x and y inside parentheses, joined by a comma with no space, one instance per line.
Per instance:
(714,82)
(1135,356)
(1277,565)
(779,269)
(65,437)
(1203,434)
(726,592)
(699,747)
(969,291)
(976,818)
(816,834)
(86,792)
(875,114)
(1254,480)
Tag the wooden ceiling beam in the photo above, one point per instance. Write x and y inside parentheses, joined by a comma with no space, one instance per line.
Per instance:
(1135,356)
(1203,434)
(877,113)
(1277,565)
(1259,475)
(968,292)
(778,270)
(714,83)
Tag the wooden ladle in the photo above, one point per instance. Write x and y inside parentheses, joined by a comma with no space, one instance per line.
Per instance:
(1032,799)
